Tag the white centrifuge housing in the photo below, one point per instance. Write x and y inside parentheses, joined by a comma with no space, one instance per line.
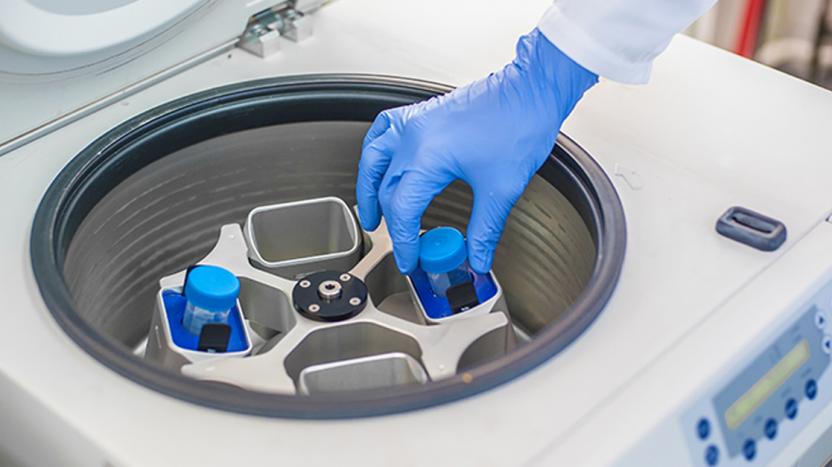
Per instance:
(663,283)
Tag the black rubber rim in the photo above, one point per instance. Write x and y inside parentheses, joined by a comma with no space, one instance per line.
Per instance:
(102,165)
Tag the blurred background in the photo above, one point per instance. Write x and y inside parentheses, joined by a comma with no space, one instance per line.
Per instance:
(792,35)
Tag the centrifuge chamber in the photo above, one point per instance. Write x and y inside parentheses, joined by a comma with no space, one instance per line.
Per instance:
(148,198)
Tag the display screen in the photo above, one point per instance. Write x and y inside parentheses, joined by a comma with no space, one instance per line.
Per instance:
(765,386)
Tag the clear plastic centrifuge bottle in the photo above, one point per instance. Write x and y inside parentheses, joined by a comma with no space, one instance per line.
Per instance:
(211,292)
(444,258)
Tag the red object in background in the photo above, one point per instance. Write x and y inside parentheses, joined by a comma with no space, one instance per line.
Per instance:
(750,29)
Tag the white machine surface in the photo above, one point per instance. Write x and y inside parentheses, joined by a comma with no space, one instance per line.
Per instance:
(694,313)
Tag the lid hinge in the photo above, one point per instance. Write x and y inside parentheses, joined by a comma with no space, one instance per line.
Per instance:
(289,19)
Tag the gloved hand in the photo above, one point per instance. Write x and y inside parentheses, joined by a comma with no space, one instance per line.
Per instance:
(494,134)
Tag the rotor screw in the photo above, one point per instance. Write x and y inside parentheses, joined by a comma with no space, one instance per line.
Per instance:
(345,277)
(305,284)
(355,301)
(330,290)
(314,308)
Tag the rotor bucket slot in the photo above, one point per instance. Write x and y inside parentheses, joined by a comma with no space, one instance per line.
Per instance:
(299,237)
(374,372)
(350,341)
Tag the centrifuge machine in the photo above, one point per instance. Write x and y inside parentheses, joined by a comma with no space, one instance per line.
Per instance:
(661,295)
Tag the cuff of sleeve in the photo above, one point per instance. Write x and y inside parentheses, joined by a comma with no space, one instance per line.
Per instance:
(584,49)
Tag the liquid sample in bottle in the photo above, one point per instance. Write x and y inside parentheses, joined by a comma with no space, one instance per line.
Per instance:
(211,292)
(443,256)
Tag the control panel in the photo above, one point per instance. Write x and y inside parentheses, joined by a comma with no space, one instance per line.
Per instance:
(755,411)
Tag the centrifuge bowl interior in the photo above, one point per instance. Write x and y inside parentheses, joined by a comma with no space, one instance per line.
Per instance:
(148,198)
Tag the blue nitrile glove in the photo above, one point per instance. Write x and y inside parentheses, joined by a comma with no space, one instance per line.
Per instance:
(494,134)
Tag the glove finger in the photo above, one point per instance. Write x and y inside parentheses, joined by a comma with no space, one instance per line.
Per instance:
(375,159)
(488,219)
(380,125)
(411,197)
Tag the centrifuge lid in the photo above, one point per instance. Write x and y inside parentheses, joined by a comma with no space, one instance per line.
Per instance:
(57,57)
(35,31)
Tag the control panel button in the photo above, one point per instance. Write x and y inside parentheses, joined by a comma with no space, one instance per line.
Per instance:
(821,319)
(791,408)
(826,344)
(703,428)
(770,429)
(711,455)
(749,449)
(811,389)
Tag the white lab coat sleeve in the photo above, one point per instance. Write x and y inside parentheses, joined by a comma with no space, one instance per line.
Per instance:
(618,39)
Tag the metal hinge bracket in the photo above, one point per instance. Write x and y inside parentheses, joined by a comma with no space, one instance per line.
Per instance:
(289,19)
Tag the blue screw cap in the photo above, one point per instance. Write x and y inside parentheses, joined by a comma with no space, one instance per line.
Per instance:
(441,250)
(212,288)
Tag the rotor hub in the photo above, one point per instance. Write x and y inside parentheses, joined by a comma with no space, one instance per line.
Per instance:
(330,296)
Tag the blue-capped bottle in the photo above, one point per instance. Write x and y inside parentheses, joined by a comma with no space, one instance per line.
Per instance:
(444,258)
(211,293)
